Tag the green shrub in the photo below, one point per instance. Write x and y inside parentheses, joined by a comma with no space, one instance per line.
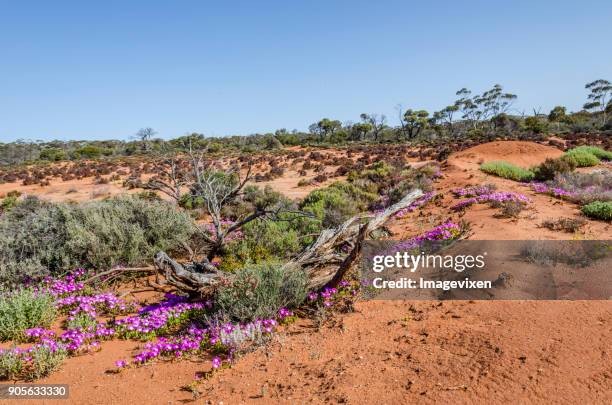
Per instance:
(551,167)
(53,154)
(91,152)
(45,361)
(39,238)
(9,202)
(536,125)
(593,150)
(507,170)
(598,210)
(263,240)
(24,309)
(11,364)
(336,203)
(260,291)
(377,173)
(582,158)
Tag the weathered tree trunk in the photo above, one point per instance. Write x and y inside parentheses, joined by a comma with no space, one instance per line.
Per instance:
(326,261)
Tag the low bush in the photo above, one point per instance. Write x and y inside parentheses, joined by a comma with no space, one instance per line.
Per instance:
(45,360)
(598,210)
(551,167)
(11,365)
(593,150)
(507,170)
(258,292)
(336,203)
(24,309)
(262,240)
(511,208)
(585,188)
(582,158)
(570,225)
(39,238)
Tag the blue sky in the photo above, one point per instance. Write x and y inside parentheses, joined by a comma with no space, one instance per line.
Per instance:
(104,69)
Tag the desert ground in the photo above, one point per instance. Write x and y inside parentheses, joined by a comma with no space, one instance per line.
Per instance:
(390,352)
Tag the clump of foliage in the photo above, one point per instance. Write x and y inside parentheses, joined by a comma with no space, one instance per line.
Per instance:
(536,125)
(11,365)
(259,291)
(584,188)
(598,210)
(332,205)
(511,208)
(10,201)
(45,360)
(38,237)
(507,170)
(582,158)
(42,361)
(23,309)
(263,240)
(569,225)
(593,150)
(551,167)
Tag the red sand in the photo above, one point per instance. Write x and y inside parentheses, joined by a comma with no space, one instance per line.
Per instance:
(406,352)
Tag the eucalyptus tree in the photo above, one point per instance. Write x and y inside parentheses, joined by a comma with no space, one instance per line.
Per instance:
(415,121)
(557,114)
(325,128)
(377,122)
(600,98)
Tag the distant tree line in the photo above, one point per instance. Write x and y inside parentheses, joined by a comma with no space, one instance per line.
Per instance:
(488,114)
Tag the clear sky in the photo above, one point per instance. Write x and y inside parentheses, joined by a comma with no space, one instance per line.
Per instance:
(104,69)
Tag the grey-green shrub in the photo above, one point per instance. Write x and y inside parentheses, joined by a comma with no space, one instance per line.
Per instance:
(598,210)
(11,365)
(39,238)
(507,170)
(259,291)
(24,309)
(45,360)
(585,187)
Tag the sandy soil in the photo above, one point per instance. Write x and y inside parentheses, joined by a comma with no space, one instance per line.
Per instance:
(388,353)
(392,352)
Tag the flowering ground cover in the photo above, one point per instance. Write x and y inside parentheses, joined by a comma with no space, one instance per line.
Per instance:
(171,329)
(485,194)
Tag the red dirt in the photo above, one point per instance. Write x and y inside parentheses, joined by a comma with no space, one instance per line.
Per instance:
(389,352)
(406,352)
(520,153)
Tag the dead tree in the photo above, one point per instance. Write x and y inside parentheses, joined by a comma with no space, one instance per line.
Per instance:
(325,261)
(170,179)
